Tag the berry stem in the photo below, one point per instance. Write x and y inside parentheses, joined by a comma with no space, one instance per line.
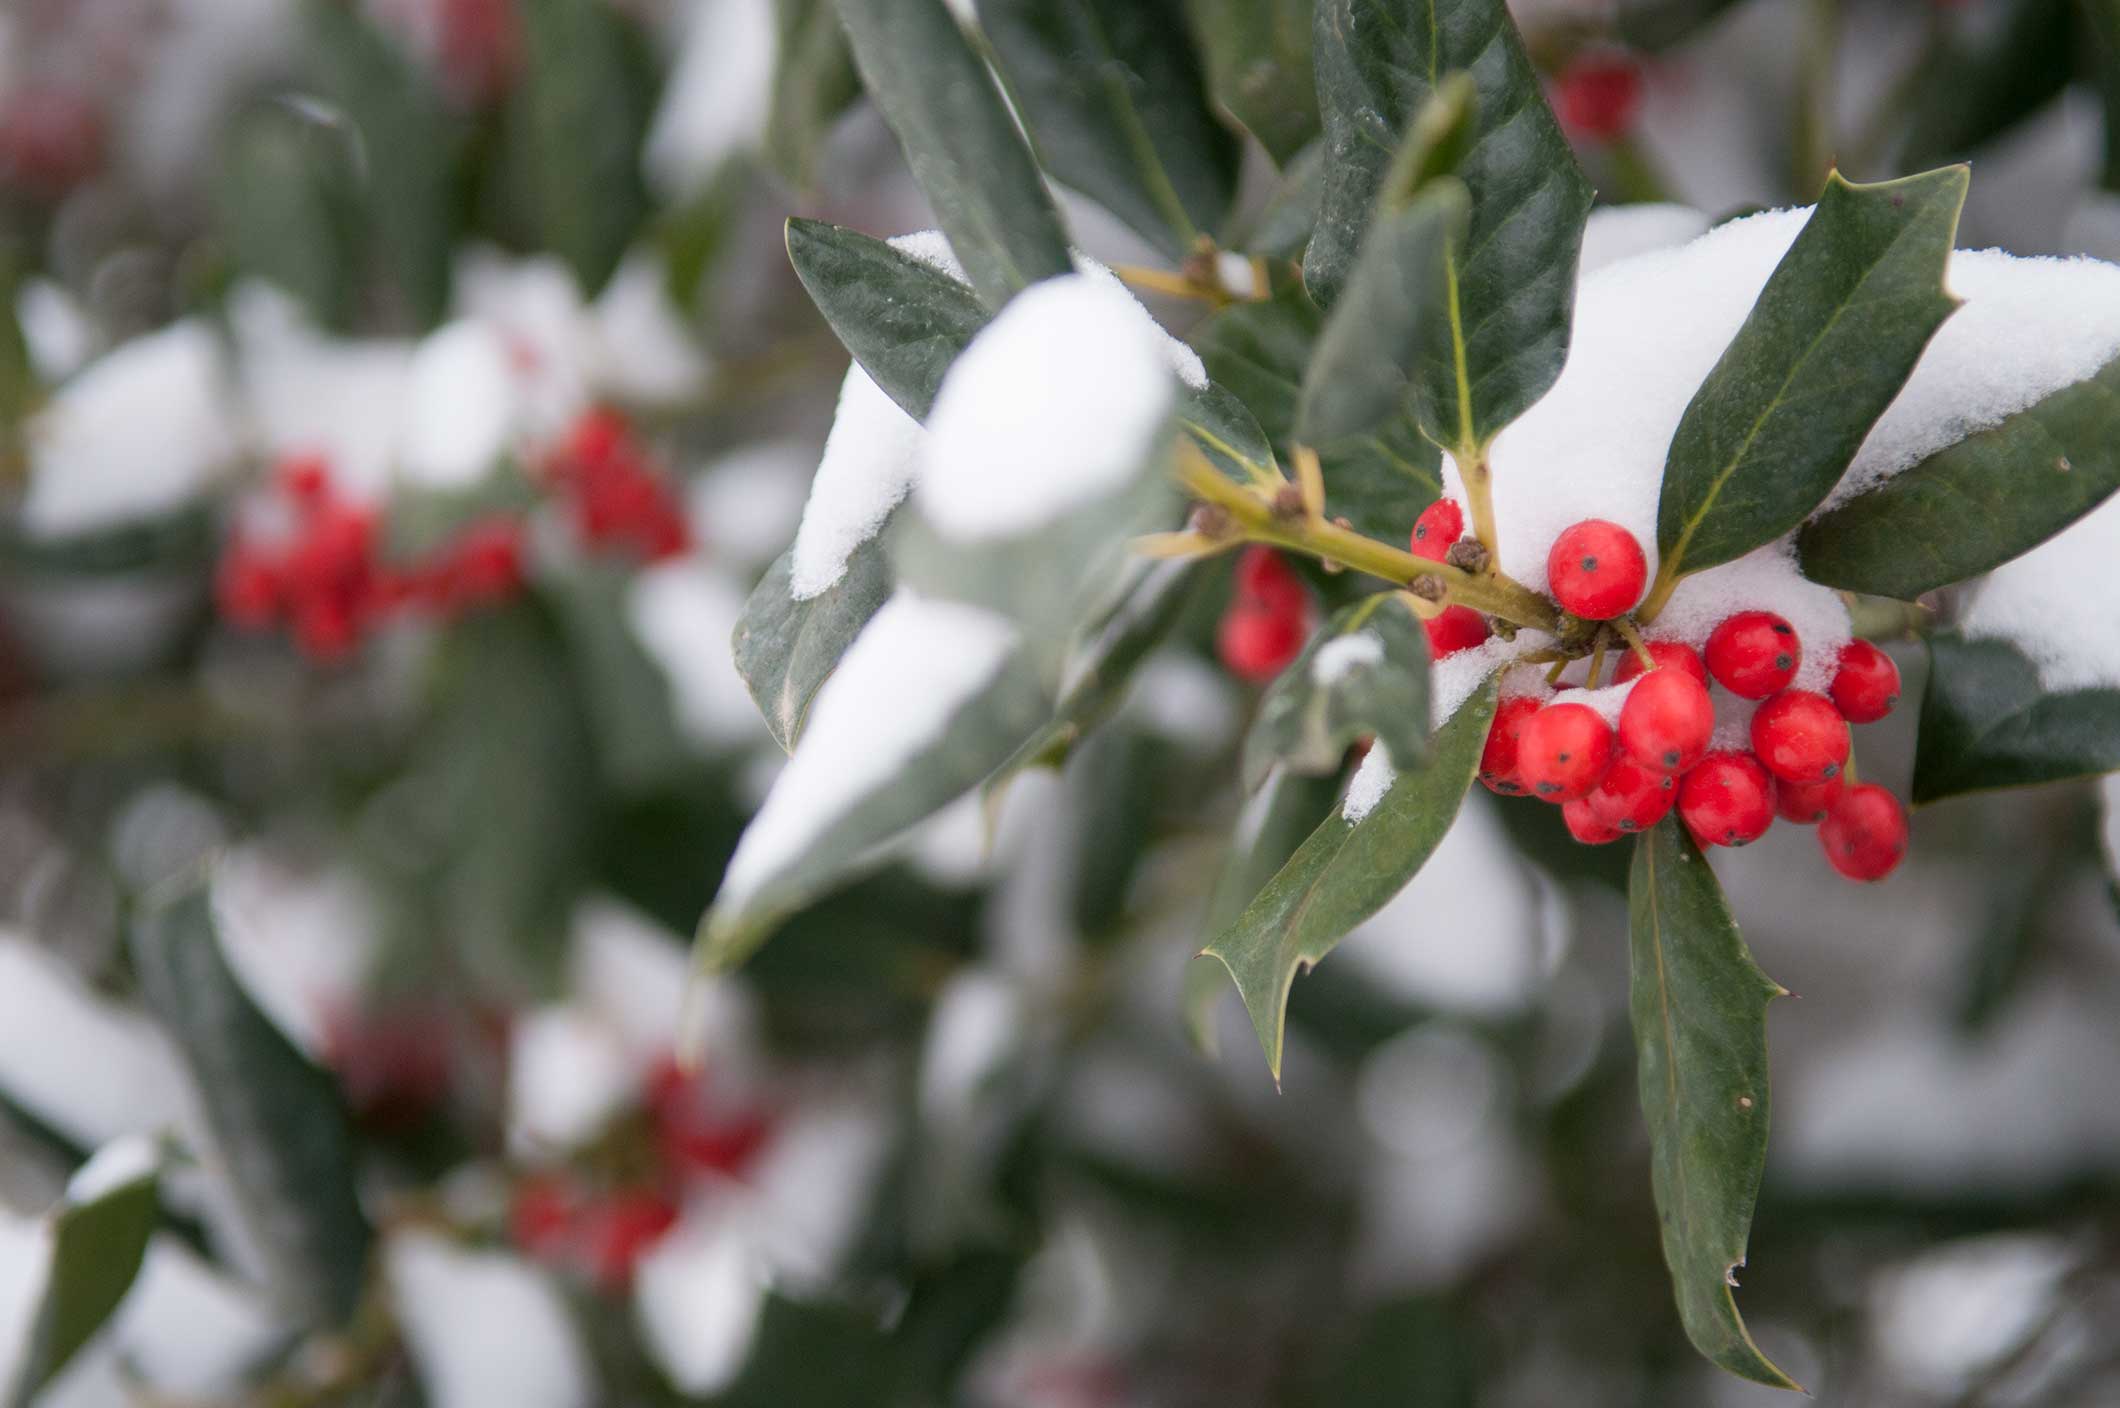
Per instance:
(1659,595)
(1479,498)
(1597,661)
(1633,638)
(1259,520)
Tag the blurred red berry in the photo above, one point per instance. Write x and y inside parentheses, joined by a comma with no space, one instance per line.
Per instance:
(487,558)
(1264,578)
(542,1214)
(1598,96)
(1440,524)
(247,587)
(1865,836)
(306,479)
(394,1067)
(618,1230)
(1596,570)
(51,139)
(1258,642)
(1865,683)
(1727,800)
(1753,654)
(1458,628)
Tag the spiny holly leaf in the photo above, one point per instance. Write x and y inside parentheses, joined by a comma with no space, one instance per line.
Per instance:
(1513,280)
(964,148)
(813,83)
(904,320)
(1275,820)
(576,121)
(786,649)
(1346,872)
(1116,105)
(1833,337)
(1259,68)
(1977,504)
(1699,1006)
(1259,351)
(1987,722)
(275,1118)
(99,1235)
(1366,673)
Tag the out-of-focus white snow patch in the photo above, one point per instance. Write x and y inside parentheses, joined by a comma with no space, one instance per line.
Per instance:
(698,1294)
(1184,361)
(535,307)
(972,839)
(568,1074)
(1617,232)
(812,1182)
(305,392)
(163,829)
(56,331)
(745,505)
(25,1270)
(1342,655)
(462,407)
(2043,604)
(1057,402)
(978,1022)
(640,346)
(631,973)
(715,103)
(869,462)
(127,1159)
(301,944)
(1238,276)
(142,431)
(1471,932)
(89,1068)
(914,665)
(1181,698)
(1952,1311)
(207,56)
(684,612)
(484,1328)
(1368,785)
(188,1328)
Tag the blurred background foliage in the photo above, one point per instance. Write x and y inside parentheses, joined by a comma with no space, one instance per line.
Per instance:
(399,398)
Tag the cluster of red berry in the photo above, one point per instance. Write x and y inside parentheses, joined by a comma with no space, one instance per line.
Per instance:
(600,1229)
(1611,781)
(324,577)
(619,502)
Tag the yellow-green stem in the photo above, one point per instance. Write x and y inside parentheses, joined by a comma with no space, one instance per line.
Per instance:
(1633,638)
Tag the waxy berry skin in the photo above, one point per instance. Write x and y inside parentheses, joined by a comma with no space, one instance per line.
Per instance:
(1727,800)
(1258,642)
(1865,838)
(1498,758)
(1458,628)
(1865,683)
(1585,825)
(1596,570)
(1808,803)
(1666,655)
(1753,654)
(1264,578)
(1667,721)
(1632,797)
(1564,752)
(1800,736)
(1440,524)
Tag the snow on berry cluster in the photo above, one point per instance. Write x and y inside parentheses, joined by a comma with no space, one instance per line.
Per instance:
(309,558)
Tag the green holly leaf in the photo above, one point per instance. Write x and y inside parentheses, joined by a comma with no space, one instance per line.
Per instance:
(1833,337)
(1987,723)
(786,649)
(1116,105)
(1280,228)
(98,1240)
(1365,673)
(286,202)
(1346,872)
(813,83)
(1975,505)
(1699,1007)
(1513,280)
(1259,351)
(1658,24)
(904,320)
(964,147)
(1259,68)
(576,120)
(1979,83)
(275,1117)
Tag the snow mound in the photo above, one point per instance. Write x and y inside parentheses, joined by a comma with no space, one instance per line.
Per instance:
(868,466)
(1367,787)
(1617,232)
(2049,603)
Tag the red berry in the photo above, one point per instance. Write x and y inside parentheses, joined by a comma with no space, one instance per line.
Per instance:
(51,138)
(1596,570)
(1865,684)
(1458,628)
(1563,752)
(594,440)
(1800,736)
(1666,654)
(1264,578)
(1498,759)
(487,560)
(1258,642)
(1727,800)
(325,630)
(1440,524)
(1865,837)
(620,1230)
(1632,797)
(1808,803)
(1597,97)
(1667,721)
(1753,654)
(247,587)
(1585,825)
(541,1217)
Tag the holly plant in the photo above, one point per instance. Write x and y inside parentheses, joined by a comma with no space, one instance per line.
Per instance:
(1605,531)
